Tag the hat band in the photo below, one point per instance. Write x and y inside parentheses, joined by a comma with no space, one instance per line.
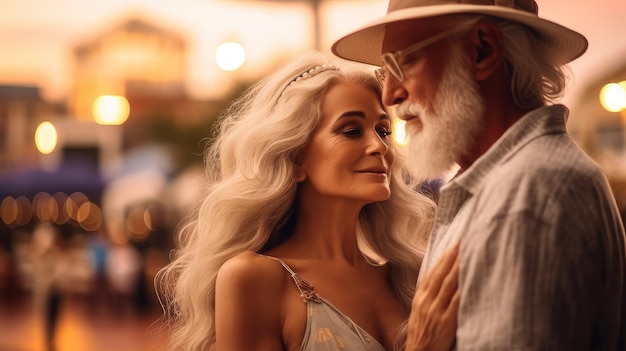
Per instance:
(524,5)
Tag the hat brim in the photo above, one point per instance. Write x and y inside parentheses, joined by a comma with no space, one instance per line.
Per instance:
(365,44)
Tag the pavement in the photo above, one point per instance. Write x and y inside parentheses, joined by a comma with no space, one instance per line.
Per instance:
(82,325)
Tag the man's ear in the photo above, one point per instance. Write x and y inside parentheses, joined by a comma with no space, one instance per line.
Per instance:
(487,48)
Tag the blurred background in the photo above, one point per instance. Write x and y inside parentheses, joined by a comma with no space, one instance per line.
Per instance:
(106,107)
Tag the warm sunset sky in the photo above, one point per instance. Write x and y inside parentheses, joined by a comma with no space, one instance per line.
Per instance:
(36,36)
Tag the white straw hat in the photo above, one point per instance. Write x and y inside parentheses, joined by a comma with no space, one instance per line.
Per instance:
(365,44)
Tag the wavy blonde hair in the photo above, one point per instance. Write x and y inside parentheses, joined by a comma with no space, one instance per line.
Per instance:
(251,190)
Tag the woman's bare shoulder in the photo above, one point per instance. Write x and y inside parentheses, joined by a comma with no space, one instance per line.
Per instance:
(249,270)
(249,300)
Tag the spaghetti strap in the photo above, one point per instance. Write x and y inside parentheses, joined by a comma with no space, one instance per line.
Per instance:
(281,262)
(307,291)
(327,328)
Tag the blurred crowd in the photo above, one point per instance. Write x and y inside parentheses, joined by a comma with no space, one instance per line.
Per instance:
(47,267)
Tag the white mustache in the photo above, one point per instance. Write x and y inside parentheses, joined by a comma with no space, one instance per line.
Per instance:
(409,109)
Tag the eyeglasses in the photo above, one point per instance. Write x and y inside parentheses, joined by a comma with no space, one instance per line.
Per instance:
(391,59)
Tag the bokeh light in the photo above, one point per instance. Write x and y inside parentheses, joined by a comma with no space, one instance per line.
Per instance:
(230,56)
(613,96)
(111,110)
(89,216)
(58,209)
(46,137)
(45,208)
(62,215)
(399,133)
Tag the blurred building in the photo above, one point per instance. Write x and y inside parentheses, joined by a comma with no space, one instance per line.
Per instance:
(136,59)
(21,109)
(146,63)
(602,133)
(599,131)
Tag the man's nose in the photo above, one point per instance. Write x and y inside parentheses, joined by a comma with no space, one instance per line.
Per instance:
(393,91)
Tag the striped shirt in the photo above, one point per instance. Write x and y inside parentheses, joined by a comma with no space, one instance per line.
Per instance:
(542,255)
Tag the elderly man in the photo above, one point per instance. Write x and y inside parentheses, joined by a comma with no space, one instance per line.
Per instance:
(542,247)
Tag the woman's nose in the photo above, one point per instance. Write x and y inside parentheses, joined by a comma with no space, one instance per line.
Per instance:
(377,144)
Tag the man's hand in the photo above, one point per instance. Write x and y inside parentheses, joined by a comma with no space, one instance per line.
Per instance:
(433,318)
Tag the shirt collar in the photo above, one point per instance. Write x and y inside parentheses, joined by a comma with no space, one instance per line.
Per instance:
(544,120)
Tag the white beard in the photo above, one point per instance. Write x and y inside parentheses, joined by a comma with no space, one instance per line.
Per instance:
(450,128)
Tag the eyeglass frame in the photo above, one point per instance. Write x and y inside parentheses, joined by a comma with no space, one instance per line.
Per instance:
(393,57)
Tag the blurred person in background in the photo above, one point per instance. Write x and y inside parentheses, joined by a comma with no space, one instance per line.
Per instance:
(5,273)
(61,271)
(123,271)
(48,252)
(98,245)
(308,237)
(542,249)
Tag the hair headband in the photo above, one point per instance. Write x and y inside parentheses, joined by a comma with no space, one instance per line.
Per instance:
(309,73)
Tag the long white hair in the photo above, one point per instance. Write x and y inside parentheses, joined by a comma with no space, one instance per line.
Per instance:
(537,78)
(251,190)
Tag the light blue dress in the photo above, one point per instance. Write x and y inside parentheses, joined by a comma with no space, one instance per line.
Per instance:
(327,328)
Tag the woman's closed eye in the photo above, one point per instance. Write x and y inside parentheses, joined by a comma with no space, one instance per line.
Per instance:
(352,132)
(357,132)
